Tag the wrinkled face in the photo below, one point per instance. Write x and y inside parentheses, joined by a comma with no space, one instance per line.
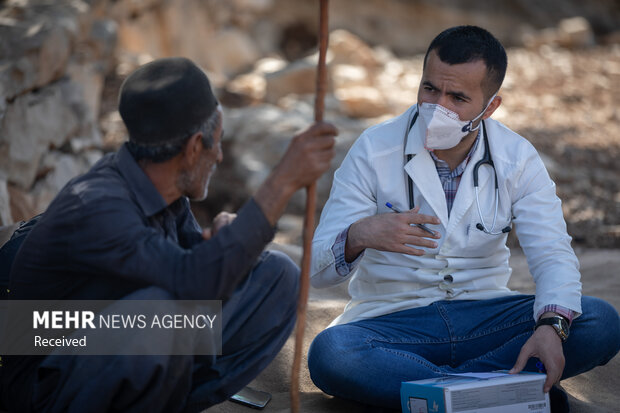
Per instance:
(456,87)
(196,180)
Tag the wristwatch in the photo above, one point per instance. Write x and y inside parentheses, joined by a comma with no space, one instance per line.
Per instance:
(558,322)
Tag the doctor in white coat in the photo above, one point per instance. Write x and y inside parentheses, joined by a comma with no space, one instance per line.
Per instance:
(434,299)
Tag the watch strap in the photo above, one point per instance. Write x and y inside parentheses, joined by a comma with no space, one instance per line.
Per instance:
(559,323)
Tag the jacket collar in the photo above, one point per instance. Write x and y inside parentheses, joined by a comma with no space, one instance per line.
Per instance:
(146,195)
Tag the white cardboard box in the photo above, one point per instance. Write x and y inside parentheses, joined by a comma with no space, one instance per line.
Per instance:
(476,393)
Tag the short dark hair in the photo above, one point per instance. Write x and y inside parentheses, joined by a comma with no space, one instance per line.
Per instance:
(464,44)
(164,151)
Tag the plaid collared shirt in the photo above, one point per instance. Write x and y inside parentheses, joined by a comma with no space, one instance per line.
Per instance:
(450,179)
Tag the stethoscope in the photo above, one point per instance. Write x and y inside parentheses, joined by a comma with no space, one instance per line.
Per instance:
(486,160)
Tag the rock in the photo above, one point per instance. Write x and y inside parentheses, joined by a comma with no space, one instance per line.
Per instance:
(259,135)
(34,51)
(31,124)
(251,85)
(362,102)
(230,51)
(22,204)
(55,170)
(113,130)
(53,55)
(269,65)
(298,78)
(89,81)
(344,76)
(348,48)
(5,206)
(103,39)
(570,33)
(575,32)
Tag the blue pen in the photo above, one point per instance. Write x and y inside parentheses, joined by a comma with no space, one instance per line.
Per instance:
(422,226)
(541,367)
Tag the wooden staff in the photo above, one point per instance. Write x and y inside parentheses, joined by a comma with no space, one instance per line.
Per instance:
(308,232)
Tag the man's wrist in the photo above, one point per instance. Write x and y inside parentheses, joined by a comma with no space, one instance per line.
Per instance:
(550,314)
(272,197)
(557,309)
(558,322)
(353,245)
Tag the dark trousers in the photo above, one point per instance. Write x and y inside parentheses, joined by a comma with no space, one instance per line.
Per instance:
(257,320)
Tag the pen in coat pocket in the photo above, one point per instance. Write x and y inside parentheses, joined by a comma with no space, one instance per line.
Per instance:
(422,226)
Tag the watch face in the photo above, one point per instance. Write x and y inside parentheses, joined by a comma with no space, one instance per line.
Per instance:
(562,328)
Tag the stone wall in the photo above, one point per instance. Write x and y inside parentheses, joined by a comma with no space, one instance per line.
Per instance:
(54,57)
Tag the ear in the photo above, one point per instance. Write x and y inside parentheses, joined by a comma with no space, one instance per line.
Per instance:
(497,100)
(193,149)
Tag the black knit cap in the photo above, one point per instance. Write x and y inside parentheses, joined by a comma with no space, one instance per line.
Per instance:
(165,100)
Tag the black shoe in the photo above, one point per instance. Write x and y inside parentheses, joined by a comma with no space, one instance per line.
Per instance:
(558,400)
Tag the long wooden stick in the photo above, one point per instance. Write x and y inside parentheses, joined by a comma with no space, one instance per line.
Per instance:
(308,233)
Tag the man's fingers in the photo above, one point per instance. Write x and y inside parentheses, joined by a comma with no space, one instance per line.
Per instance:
(418,238)
(322,128)
(206,234)
(549,382)
(411,251)
(553,376)
(319,143)
(413,217)
(415,230)
(554,373)
(524,356)
(424,219)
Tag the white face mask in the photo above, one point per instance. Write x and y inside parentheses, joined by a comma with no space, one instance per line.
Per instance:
(444,128)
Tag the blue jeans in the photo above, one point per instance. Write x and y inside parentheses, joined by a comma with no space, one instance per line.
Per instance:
(257,320)
(367,360)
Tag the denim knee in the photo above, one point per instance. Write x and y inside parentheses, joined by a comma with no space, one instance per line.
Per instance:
(606,326)
(327,360)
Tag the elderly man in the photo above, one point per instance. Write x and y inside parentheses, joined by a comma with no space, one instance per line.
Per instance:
(124,230)
(428,286)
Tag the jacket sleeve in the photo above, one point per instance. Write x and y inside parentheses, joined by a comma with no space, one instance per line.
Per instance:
(352,197)
(124,247)
(541,229)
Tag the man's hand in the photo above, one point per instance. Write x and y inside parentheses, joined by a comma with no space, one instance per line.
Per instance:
(222,219)
(308,156)
(546,345)
(391,232)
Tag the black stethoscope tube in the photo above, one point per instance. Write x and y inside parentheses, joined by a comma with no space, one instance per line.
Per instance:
(486,160)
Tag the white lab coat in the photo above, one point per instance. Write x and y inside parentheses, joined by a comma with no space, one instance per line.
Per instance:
(374,172)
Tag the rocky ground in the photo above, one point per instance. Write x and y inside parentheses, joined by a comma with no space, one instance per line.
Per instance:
(567,104)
